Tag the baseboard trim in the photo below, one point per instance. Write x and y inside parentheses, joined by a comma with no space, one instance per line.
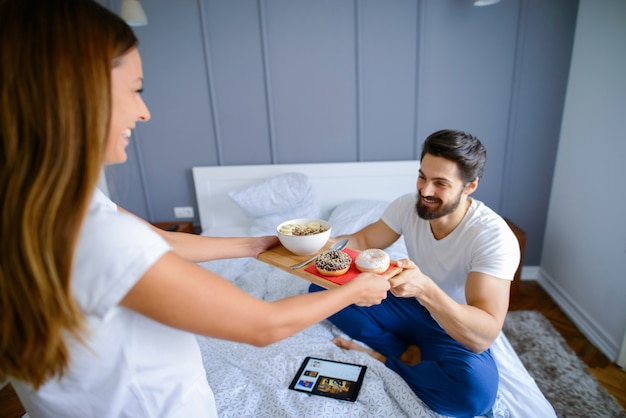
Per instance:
(621,359)
(592,331)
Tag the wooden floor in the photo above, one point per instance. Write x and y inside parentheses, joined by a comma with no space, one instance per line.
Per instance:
(530,296)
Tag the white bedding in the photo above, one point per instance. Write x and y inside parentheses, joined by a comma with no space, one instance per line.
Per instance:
(253,382)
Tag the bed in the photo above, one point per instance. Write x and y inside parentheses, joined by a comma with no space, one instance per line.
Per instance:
(253,382)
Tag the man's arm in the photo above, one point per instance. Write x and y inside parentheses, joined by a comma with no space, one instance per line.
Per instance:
(375,235)
(475,325)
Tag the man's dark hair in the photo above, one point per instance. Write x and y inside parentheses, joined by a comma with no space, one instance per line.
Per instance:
(460,147)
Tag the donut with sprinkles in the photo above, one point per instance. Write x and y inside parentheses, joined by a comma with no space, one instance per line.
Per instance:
(333,263)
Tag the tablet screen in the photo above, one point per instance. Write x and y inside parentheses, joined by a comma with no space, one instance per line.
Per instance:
(333,379)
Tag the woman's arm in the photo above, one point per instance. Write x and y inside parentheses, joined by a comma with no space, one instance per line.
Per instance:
(185,296)
(199,248)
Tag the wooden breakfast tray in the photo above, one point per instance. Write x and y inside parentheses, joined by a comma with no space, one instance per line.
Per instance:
(282,258)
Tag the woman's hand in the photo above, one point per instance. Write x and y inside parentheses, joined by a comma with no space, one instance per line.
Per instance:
(263,244)
(374,288)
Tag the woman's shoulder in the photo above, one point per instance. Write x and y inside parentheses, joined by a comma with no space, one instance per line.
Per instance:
(104,224)
(113,252)
(101,201)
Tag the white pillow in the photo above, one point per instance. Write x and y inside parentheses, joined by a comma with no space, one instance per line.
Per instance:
(277,199)
(353,215)
(350,216)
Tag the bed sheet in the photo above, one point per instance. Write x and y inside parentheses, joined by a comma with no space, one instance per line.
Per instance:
(253,382)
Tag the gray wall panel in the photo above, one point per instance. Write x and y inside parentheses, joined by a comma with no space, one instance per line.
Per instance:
(387,44)
(280,81)
(180,133)
(311,49)
(466,75)
(537,118)
(234,45)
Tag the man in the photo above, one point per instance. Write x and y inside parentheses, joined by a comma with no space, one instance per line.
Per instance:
(449,303)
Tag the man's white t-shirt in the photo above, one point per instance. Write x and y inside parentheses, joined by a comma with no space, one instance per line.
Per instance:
(130,365)
(482,242)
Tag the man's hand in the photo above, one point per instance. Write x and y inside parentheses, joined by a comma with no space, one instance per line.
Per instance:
(410,283)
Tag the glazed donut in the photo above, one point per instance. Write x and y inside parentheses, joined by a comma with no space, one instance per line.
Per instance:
(372,260)
(333,263)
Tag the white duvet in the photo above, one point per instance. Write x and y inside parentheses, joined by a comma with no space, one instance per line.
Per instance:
(253,382)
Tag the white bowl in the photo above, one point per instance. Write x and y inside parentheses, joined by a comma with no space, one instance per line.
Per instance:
(304,244)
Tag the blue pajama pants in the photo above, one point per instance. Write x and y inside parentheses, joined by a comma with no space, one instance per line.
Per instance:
(450,379)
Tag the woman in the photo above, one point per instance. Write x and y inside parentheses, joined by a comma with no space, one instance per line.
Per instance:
(97,308)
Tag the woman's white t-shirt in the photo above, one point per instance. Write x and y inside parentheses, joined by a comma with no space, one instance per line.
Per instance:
(130,365)
(482,242)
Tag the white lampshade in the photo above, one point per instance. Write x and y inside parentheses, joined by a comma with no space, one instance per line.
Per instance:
(485,2)
(133,13)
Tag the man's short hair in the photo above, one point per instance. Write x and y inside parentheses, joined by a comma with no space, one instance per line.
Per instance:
(462,148)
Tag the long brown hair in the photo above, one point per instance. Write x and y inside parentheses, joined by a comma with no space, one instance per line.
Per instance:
(56,58)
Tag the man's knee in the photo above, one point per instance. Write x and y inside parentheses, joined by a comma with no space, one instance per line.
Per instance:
(462,402)
(478,388)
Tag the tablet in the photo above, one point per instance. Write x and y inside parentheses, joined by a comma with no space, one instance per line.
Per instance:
(333,379)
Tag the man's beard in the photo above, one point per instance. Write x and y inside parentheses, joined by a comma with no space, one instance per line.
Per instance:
(429,213)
